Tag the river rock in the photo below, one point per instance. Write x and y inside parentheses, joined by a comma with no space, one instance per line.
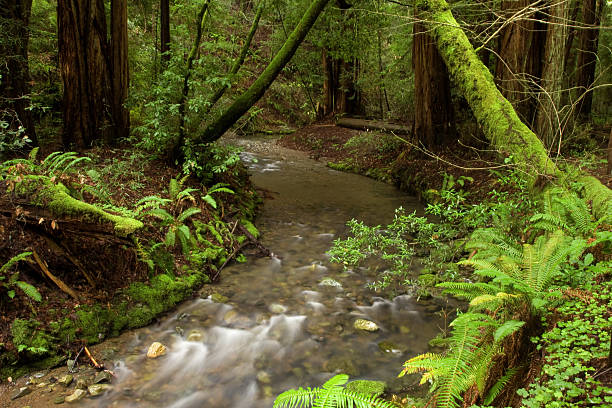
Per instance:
(263,377)
(82,383)
(156,349)
(219,298)
(59,400)
(367,387)
(366,325)
(76,395)
(195,335)
(98,389)
(231,316)
(103,377)
(20,392)
(65,380)
(277,308)
(331,283)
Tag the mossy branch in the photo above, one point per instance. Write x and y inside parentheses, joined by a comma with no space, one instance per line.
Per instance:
(496,116)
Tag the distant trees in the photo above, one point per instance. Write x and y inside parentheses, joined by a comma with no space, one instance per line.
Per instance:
(14,72)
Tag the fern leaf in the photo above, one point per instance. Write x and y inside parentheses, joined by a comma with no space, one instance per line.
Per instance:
(17,258)
(173,189)
(162,214)
(170,238)
(188,213)
(506,329)
(499,385)
(29,290)
(211,201)
(302,397)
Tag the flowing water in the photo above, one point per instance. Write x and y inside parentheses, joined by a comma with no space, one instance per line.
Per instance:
(280,327)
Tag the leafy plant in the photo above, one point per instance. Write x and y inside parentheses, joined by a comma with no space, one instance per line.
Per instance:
(13,280)
(217,188)
(331,395)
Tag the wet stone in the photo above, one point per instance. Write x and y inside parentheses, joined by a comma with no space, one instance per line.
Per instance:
(76,395)
(103,377)
(59,400)
(156,349)
(65,380)
(98,389)
(21,392)
(219,298)
(277,308)
(82,383)
(195,335)
(263,377)
(365,325)
(331,283)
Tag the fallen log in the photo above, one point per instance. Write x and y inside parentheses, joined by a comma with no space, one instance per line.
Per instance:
(364,124)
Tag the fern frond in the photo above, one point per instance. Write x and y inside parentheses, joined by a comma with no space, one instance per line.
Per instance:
(173,189)
(188,213)
(29,290)
(506,329)
(499,385)
(466,290)
(302,397)
(17,258)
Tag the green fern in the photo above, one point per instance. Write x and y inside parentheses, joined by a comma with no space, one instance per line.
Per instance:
(13,280)
(566,212)
(331,395)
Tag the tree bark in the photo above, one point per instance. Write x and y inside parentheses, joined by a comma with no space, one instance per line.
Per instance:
(84,64)
(433,109)
(244,102)
(164,23)
(14,71)
(120,67)
(520,53)
(495,115)
(587,54)
(240,60)
(549,122)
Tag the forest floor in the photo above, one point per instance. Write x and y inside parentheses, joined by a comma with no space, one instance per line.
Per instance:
(391,159)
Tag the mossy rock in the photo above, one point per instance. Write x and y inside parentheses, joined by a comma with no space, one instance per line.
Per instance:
(427,280)
(32,341)
(367,387)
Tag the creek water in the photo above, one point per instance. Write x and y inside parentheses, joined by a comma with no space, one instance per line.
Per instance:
(280,327)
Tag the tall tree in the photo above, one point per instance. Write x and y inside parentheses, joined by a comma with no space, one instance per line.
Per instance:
(587,53)
(84,64)
(549,123)
(120,67)
(433,109)
(14,72)
(520,54)
(164,17)
(94,71)
(243,103)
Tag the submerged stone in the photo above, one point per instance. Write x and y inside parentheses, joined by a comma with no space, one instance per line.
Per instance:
(195,335)
(76,395)
(156,349)
(219,298)
(330,282)
(277,308)
(103,377)
(366,325)
(66,380)
(20,392)
(98,389)
(59,400)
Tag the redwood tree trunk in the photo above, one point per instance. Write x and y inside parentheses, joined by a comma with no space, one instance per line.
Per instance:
(84,63)
(433,115)
(519,55)
(164,23)
(587,53)
(549,122)
(120,67)
(14,72)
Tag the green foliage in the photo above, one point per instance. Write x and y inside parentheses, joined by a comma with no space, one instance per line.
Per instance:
(331,395)
(209,161)
(571,348)
(217,188)
(10,282)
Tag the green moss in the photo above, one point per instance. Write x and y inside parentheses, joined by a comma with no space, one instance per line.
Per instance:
(34,341)
(248,225)
(367,387)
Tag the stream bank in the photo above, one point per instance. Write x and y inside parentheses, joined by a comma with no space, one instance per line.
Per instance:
(277,322)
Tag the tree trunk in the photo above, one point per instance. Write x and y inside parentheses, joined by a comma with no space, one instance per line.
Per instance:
(549,120)
(176,150)
(433,109)
(587,53)
(164,23)
(240,60)
(14,72)
(120,67)
(609,166)
(495,115)
(244,102)
(519,55)
(84,64)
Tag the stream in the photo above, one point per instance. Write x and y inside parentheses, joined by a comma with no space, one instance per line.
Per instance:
(279,327)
